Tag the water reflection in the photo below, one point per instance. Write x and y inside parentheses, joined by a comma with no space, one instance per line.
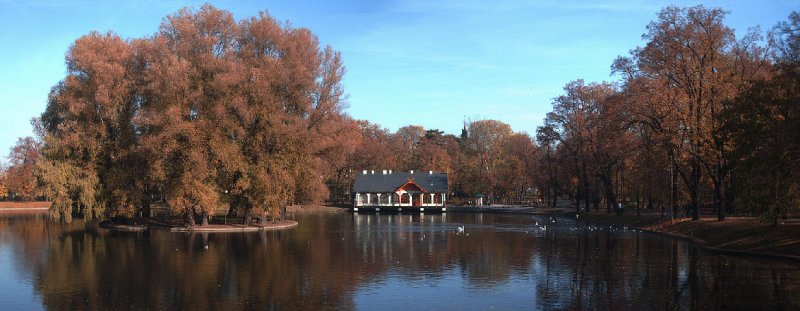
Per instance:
(359,261)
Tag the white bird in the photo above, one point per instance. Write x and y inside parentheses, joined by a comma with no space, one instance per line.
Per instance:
(544,228)
(460,229)
(537,223)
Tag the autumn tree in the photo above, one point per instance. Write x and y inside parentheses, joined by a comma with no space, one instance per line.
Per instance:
(206,112)
(611,145)
(483,150)
(434,151)
(375,150)
(408,140)
(18,178)
(86,114)
(188,72)
(3,182)
(519,168)
(695,59)
(764,123)
(549,171)
(573,124)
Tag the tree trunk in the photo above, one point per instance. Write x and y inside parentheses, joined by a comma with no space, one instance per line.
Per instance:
(555,198)
(718,200)
(189,218)
(673,188)
(775,209)
(611,198)
(146,202)
(204,222)
(729,194)
(586,193)
(263,220)
(596,194)
(638,204)
(246,218)
(694,186)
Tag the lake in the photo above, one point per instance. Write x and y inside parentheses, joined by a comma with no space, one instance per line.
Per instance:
(345,261)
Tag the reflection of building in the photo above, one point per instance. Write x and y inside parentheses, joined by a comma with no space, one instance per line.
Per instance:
(412,191)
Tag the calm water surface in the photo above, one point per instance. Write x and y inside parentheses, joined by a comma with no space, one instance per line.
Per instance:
(380,262)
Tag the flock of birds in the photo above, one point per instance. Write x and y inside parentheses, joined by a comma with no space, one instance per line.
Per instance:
(538,228)
(541,228)
(604,228)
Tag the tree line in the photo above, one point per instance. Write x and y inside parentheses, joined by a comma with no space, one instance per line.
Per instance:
(207,112)
(698,119)
(210,114)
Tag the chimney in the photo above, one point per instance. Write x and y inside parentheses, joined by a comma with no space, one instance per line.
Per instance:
(384,172)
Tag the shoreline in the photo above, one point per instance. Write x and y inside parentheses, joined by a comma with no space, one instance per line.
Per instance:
(736,235)
(24,206)
(23,209)
(278,225)
(315,209)
(210,228)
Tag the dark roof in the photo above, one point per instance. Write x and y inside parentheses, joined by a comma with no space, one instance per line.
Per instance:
(379,182)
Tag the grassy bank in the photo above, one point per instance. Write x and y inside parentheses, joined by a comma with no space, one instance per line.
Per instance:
(746,235)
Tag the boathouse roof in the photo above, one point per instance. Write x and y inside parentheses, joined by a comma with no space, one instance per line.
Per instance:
(388,181)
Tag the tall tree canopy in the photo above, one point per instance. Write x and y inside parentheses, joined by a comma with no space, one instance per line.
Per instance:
(206,112)
(17,181)
(698,112)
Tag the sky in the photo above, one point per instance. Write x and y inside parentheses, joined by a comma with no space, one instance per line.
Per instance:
(415,62)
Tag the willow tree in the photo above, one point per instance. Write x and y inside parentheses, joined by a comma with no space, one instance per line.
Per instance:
(86,123)
(290,117)
(206,112)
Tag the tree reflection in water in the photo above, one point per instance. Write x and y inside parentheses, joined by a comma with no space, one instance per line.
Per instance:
(347,261)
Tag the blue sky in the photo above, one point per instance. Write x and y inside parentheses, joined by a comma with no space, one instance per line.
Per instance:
(429,63)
